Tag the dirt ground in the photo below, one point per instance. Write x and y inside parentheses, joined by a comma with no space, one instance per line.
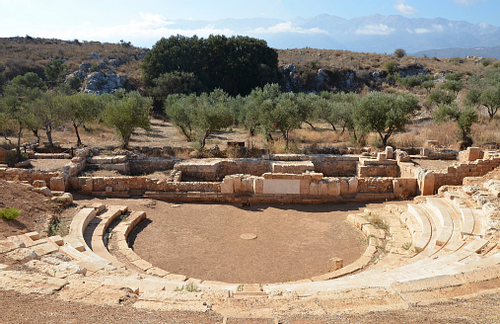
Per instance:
(21,309)
(203,240)
(33,206)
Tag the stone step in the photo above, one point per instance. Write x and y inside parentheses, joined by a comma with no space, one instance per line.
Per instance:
(443,215)
(417,215)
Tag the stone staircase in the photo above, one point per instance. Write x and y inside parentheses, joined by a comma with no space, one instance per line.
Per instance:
(430,249)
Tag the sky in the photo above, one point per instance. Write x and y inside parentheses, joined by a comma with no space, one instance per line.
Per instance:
(142,21)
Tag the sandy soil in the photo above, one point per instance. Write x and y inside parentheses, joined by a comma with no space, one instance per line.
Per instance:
(17,308)
(35,211)
(203,240)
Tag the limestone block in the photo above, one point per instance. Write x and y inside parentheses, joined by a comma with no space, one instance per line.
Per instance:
(344,187)
(334,264)
(291,187)
(88,186)
(333,187)
(269,186)
(314,188)
(424,151)
(389,152)
(381,156)
(258,185)
(304,186)
(237,184)
(322,188)
(44,190)
(57,184)
(428,183)
(109,189)
(227,186)
(404,188)
(353,185)
(39,184)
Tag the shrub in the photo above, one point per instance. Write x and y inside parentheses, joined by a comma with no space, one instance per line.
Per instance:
(399,53)
(390,67)
(9,213)
(485,63)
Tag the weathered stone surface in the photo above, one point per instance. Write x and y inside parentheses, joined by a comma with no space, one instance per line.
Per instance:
(22,255)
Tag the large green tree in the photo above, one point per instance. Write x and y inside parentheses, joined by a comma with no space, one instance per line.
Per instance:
(235,64)
(127,112)
(385,113)
(83,108)
(17,103)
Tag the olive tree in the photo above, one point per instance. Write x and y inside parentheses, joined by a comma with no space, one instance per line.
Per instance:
(126,113)
(83,108)
(385,113)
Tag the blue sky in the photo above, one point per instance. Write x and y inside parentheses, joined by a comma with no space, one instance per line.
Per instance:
(142,21)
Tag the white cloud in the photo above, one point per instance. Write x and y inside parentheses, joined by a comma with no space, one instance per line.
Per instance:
(435,28)
(380,29)
(409,30)
(287,28)
(483,25)
(466,3)
(422,30)
(405,9)
(148,27)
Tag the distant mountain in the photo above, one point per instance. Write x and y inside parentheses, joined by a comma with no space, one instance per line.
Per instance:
(376,33)
(491,52)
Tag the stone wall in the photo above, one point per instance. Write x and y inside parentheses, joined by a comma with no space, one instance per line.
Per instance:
(217,169)
(431,181)
(381,167)
(149,165)
(26,175)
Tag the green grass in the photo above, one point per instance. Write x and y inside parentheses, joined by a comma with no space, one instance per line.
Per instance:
(9,213)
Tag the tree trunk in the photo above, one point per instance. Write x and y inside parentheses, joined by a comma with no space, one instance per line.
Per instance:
(18,148)
(48,130)
(79,141)
(312,126)
(35,132)
(203,140)
(286,139)
(333,127)
(125,141)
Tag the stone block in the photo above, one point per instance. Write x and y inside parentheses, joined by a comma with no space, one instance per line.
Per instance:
(381,156)
(404,188)
(57,184)
(314,188)
(427,185)
(88,186)
(258,185)
(143,265)
(333,187)
(424,151)
(304,186)
(269,186)
(389,152)
(334,264)
(353,185)
(39,184)
(344,187)
(227,186)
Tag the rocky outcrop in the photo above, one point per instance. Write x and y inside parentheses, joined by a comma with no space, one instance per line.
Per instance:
(304,80)
(99,83)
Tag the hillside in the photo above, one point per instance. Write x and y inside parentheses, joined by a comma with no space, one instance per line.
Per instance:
(342,70)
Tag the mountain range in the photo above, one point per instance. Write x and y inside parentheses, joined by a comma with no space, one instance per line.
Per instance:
(375,33)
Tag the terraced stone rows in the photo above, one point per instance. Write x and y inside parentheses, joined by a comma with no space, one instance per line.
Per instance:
(447,232)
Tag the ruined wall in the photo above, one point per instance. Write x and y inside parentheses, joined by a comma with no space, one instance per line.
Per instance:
(16,174)
(149,165)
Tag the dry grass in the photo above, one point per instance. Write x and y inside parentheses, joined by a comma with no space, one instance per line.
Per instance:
(30,55)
